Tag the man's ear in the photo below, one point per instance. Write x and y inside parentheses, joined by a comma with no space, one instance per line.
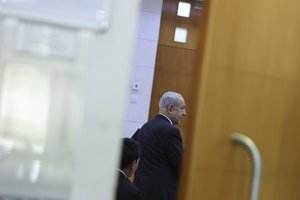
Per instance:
(135,162)
(132,164)
(169,108)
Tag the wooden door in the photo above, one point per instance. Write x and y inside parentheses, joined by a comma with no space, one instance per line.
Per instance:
(249,83)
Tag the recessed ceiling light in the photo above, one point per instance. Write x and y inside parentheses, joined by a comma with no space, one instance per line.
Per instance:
(184,9)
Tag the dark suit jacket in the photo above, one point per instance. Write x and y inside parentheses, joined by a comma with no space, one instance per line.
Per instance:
(161,152)
(126,190)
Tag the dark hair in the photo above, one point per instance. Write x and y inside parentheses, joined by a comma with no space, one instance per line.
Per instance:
(130,152)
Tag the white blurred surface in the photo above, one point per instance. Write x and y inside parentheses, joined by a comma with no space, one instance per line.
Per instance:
(73,103)
(93,15)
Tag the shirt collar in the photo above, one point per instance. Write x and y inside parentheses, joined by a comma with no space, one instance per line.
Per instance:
(122,172)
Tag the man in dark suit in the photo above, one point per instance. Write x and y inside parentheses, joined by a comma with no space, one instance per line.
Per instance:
(161,150)
(126,190)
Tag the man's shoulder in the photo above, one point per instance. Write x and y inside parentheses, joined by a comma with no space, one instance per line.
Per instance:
(159,124)
(126,187)
(161,120)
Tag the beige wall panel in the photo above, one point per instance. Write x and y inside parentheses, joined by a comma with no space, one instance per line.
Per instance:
(167,32)
(289,162)
(288,188)
(176,60)
(184,130)
(248,35)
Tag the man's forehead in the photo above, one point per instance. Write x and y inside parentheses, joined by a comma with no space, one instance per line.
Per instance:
(182,102)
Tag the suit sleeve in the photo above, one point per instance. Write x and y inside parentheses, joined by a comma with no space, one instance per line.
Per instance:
(174,150)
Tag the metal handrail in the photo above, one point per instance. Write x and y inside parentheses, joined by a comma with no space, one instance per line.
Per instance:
(256,160)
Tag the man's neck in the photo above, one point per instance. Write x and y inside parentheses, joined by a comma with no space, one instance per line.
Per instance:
(166,117)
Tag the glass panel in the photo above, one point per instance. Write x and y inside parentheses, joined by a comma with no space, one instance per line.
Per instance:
(40,113)
(24,106)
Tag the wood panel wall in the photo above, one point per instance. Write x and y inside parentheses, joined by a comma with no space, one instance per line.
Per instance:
(175,62)
(249,83)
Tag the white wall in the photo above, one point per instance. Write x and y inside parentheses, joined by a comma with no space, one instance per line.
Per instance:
(143,66)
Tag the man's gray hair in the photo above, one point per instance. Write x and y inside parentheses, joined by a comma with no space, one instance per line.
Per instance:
(170,98)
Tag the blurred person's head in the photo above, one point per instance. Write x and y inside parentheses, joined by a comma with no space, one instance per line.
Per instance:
(130,156)
(172,105)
